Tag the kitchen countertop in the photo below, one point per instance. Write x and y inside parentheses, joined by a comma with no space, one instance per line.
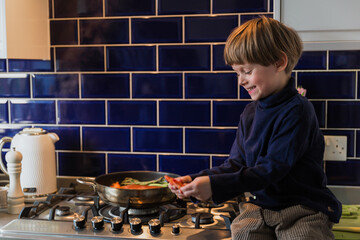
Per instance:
(5,217)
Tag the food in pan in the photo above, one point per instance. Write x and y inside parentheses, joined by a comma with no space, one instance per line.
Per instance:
(174,181)
(131,183)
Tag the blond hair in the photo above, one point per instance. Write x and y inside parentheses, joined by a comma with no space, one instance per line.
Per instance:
(263,41)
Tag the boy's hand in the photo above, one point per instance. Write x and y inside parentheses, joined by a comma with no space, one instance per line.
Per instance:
(199,188)
(176,183)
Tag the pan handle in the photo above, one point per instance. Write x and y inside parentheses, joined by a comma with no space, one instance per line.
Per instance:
(87,181)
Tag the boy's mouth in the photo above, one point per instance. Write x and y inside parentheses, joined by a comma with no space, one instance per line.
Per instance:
(251,89)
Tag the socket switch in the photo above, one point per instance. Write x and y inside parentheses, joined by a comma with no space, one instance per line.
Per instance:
(335,148)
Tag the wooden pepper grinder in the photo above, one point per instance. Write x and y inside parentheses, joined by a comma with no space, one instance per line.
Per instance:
(15,195)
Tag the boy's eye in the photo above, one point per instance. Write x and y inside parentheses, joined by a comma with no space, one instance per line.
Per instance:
(248,72)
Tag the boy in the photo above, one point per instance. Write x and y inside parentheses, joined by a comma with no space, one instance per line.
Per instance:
(278,150)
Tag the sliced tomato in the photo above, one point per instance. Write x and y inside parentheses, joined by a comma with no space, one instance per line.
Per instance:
(174,181)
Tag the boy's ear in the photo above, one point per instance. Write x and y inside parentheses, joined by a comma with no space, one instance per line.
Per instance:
(282,63)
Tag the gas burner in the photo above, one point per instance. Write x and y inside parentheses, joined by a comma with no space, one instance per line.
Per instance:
(63,211)
(133,211)
(84,198)
(209,205)
(203,218)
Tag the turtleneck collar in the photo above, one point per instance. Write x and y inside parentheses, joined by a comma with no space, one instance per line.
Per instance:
(273,100)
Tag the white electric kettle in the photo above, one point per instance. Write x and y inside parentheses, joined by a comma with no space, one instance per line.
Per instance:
(38,173)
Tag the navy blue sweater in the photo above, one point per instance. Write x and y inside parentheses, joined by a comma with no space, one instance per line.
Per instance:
(277,156)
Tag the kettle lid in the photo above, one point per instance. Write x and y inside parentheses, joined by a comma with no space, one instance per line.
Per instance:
(33,131)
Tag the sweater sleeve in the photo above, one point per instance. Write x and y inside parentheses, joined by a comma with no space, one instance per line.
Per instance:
(290,138)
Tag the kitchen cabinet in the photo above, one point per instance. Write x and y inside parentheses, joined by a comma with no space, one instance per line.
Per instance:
(322,24)
(24,29)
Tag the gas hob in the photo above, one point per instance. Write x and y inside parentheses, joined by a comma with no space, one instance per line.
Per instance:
(77,215)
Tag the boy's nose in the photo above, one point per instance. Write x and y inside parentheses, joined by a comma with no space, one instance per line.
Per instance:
(241,79)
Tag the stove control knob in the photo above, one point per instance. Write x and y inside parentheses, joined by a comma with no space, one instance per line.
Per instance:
(176,229)
(97,222)
(79,221)
(116,223)
(154,226)
(135,225)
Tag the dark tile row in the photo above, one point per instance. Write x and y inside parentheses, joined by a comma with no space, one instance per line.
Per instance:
(143,30)
(171,58)
(72,164)
(169,140)
(162,85)
(340,114)
(171,113)
(94,8)
(339,85)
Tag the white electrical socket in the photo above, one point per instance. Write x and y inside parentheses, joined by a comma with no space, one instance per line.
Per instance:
(335,148)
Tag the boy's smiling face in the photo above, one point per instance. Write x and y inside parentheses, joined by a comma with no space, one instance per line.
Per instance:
(260,81)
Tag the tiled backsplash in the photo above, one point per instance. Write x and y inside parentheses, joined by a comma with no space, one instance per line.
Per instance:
(142,85)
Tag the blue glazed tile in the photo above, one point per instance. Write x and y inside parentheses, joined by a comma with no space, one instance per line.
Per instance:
(217,161)
(104,31)
(227,113)
(357,143)
(81,112)
(79,59)
(158,139)
(16,86)
(218,58)
(350,139)
(183,165)
(338,84)
(106,139)
(221,27)
(28,111)
(245,18)
(344,59)
(2,65)
(81,164)
(236,6)
(56,86)
(4,116)
(343,173)
(157,85)
(156,30)
(105,86)
(50,9)
(183,7)
(211,85)
(312,60)
(209,140)
(21,65)
(69,137)
(319,107)
(244,93)
(78,8)
(191,57)
(63,32)
(129,7)
(139,58)
(131,162)
(344,114)
(132,112)
(181,113)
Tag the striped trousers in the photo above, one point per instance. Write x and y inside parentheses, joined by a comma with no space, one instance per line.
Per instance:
(292,223)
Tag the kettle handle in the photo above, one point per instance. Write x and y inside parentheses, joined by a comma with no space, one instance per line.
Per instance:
(2,142)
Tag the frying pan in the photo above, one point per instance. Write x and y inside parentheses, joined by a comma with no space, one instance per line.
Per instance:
(134,198)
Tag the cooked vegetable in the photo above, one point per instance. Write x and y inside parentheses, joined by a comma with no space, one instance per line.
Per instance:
(134,186)
(131,183)
(174,181)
